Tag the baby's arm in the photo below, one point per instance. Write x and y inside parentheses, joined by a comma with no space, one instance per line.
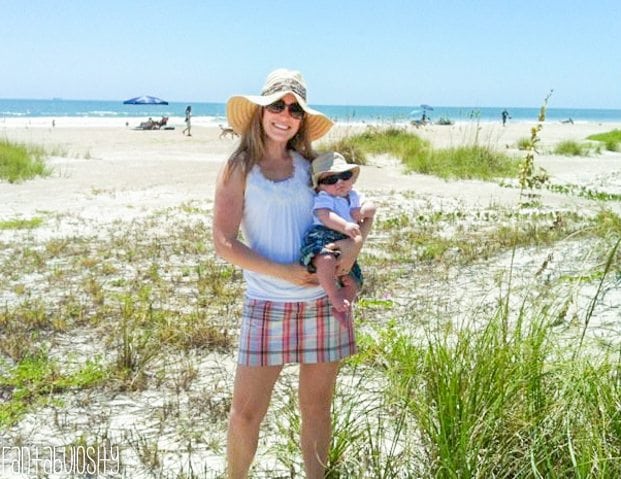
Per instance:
(333,221)
(364,215)
(364,212)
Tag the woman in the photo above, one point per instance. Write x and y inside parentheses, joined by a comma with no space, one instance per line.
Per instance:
(188,121)
(264,189)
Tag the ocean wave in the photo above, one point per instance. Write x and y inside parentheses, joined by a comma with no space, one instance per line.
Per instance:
(100,113)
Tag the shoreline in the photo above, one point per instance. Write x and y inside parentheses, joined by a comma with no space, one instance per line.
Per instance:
(131,121)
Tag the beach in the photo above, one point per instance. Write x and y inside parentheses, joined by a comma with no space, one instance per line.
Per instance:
(112,185)
(104,168)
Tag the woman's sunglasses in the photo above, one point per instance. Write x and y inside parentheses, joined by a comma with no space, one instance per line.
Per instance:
(333,179)
(295,110)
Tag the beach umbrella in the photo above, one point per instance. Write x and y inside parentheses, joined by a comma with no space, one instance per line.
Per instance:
(145,100)
(426,107)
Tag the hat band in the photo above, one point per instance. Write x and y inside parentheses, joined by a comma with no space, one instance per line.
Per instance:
(284,85)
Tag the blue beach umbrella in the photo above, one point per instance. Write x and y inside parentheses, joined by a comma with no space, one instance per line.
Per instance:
(145,100)
(426,107)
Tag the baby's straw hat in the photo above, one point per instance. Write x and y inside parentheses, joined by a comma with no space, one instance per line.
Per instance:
(240,108)
(332,162)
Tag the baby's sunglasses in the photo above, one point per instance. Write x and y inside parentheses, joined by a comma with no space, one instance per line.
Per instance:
(295,110)
(333,179)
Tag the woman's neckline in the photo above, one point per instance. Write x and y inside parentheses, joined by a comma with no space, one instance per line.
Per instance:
(290,175)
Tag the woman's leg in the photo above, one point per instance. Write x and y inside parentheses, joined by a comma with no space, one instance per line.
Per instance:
(316,390)
(251,397)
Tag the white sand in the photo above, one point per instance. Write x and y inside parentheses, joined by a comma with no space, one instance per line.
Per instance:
(104,169)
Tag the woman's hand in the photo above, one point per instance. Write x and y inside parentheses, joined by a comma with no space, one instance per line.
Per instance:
(350,248)
(352,230)
(348,252)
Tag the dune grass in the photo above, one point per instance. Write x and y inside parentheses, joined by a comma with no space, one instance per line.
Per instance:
(20,224)
(507,394)
(20,162)
(464,162)
(509,401)
(466,402)
(37,377)
(500,395)
(574,148)
(127,287)
(523,143)
(611,139)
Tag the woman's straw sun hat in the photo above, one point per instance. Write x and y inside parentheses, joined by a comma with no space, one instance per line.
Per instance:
(331,162)
(241,108)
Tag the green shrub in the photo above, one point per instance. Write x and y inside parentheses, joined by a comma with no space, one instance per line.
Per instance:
(348,147)
(610,139)
(471,162)
(606,223)
(391,140)
(507,402)
(21,224)
(418,156)
(613,136)
(524,143)
(21,162)
(572,148)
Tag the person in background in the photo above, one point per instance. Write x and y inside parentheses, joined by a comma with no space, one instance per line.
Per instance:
(188,121)
(264,190)
(505,116)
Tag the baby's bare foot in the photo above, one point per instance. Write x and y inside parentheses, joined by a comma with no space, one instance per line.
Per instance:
(341,304)
(341,307)
(343,317)
(349,288)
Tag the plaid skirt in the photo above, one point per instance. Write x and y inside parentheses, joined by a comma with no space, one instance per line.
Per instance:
(276,333)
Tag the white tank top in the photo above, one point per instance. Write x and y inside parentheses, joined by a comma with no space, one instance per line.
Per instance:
(276,216)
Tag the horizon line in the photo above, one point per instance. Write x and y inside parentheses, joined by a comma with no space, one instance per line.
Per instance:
(414,106)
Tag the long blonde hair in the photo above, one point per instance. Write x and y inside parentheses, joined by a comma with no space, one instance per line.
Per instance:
(251,146)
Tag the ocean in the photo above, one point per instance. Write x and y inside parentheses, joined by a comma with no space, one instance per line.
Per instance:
(341,113)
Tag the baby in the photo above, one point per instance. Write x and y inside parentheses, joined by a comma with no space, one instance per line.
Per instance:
(338,212)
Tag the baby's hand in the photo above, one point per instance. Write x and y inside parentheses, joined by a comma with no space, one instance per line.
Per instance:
(352,230)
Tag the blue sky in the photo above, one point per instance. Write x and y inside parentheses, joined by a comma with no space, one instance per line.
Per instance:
(351,52)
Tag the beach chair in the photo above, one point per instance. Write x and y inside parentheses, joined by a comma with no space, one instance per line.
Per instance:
(159,125)
(147,125)
(151,124)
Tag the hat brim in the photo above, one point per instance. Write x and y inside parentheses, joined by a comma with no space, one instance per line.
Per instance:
(241,108)
(355,169)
